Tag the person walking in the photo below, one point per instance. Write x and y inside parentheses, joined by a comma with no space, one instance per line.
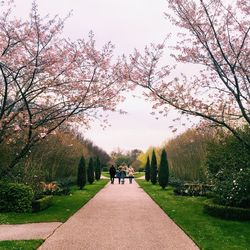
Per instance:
(130,174)
(112,172)
(123,174)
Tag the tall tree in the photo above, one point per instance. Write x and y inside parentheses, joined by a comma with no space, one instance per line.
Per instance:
(153,169)
(97,169)
(47,80)
(90,171)
(81,174)
(216,36)
(163,170)
(147,170)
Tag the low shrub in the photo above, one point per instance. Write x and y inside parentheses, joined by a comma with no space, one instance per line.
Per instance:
(226,212)
(175,182)
(192,189)
(15,197)
(42,203)
(56,188)
(50,188)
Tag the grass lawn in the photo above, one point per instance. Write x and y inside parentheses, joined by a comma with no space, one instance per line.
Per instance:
(208,232)
(139,174)
(20,244)
(61,209)
(106,174)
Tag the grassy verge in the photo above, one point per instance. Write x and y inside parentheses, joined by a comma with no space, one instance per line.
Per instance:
(61,209)
(106,174)
(139,174)
(208,232)
(20,244)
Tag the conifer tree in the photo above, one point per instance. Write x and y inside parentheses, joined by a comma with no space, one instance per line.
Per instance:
(97,169)
(163,170)
(81,173)
(147,170)
(153,169)
(90,171)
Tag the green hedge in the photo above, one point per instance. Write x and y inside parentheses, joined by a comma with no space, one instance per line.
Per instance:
(41,204)
(226,212)
(15,197)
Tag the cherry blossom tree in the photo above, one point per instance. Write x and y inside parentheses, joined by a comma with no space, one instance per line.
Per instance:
(216,37)
(47,80)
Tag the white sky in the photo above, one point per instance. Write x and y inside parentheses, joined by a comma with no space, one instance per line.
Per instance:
(128,24)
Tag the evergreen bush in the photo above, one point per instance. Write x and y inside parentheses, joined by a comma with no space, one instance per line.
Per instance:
(228,162)
(90,171)
(81,174)
(97,169)
(15,197)
(153,169)
(163,170)
(147,170)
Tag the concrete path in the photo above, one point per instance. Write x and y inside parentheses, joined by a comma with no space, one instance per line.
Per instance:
(28,231)
(119,217)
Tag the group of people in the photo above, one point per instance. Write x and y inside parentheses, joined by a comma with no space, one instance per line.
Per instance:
(121,172)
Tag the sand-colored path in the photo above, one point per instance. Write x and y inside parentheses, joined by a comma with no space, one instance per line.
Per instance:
(119,217)
(28,231)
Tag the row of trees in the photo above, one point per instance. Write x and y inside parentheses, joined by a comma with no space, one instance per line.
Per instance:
(186,153)
(93,171)
(155,174)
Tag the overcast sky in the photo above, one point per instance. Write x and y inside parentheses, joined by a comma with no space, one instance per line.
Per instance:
(128,24)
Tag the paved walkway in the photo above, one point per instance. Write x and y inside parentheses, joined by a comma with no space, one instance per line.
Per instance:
(119,217)
(28,231)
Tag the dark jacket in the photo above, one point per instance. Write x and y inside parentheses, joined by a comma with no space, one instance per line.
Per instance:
(112,171)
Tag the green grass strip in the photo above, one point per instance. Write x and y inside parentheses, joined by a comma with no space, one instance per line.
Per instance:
(207,232)
(20,244)
(61,209)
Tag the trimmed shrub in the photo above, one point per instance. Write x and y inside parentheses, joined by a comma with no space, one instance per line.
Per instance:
(42,203)
(153,169)
(97,169)
(226,212)
(81,174)
(174,182)
(90,171)
(193,189)
(147,170)
(163,170)
(15,197)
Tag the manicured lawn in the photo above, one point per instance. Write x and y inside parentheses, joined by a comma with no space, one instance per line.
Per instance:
(208,232)
(20,244)
(61,209)
(139,174)
(106,174)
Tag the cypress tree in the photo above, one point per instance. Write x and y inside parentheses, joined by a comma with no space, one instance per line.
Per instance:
(153,169)
(163,170)
(147,170)
(90,171)
(81,173)
(97,169)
